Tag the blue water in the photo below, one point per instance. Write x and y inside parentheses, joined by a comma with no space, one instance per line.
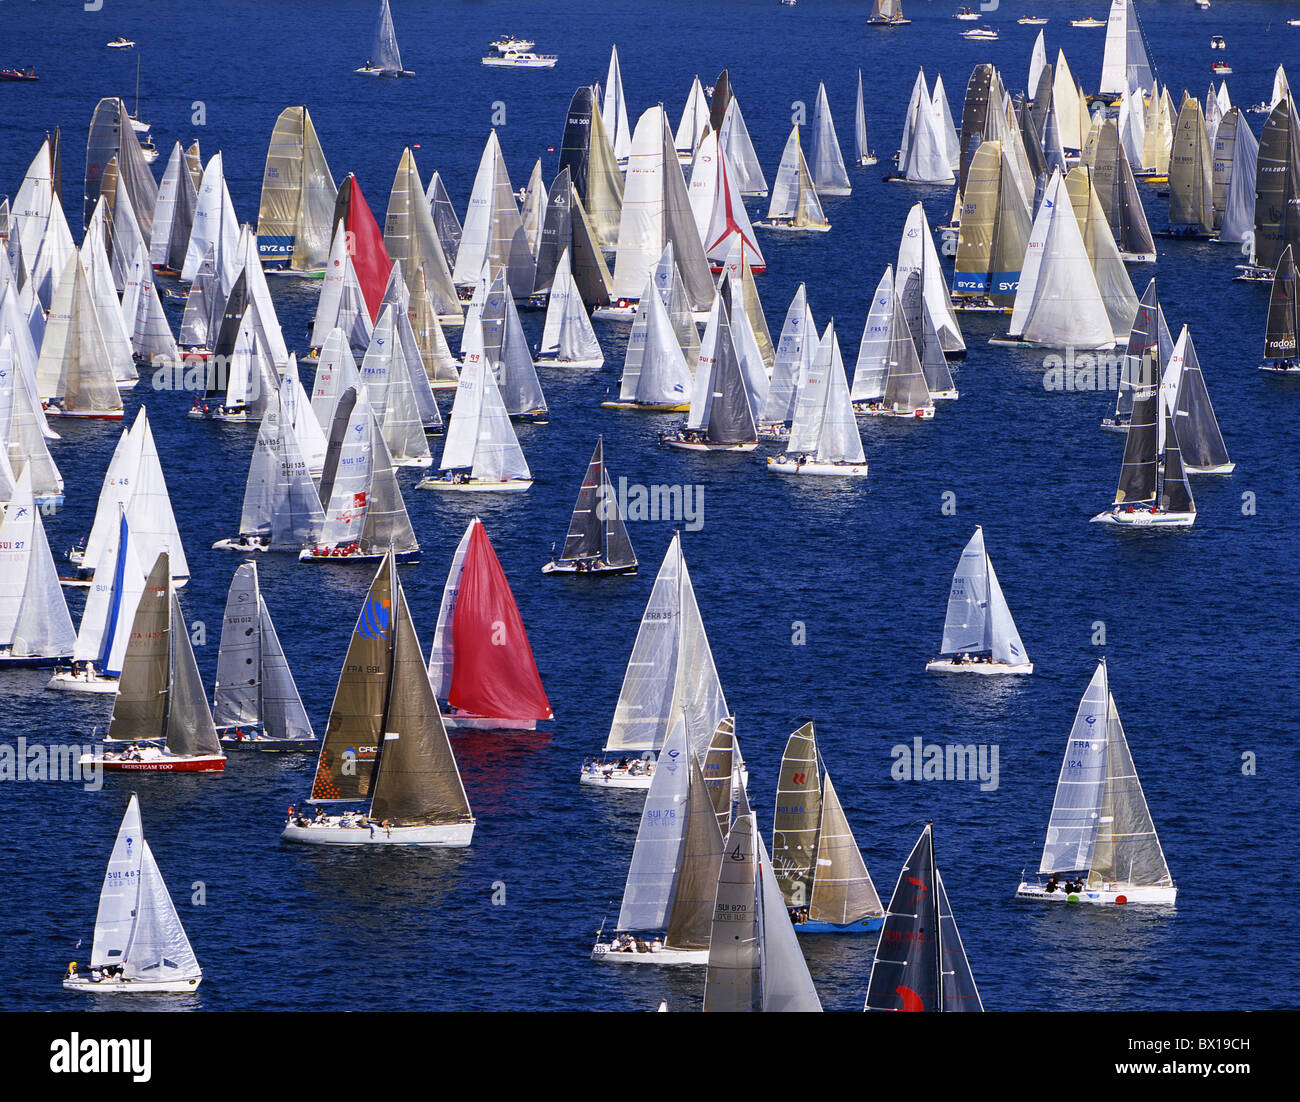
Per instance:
(1200,627)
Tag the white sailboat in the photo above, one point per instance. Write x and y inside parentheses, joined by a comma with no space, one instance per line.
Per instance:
(386,775)
(754,962)
(481,451)
(795,349)
(670,675)
(655,376)
(825,159)
(73,376)
(1125,66)
(816,859)
(106,620)
(35,628)
(160,710)
(1101,843)
(298,195)
(795,206)
(824,436)
(674,869)
(597,541)
(23,429)
(613,111)
(139,945)
(568,339)
(862,152)
(1200,443)
(979,635)
(391,379)
(255,704)
(493,235)
(385,58)
(888,379)
(721,417)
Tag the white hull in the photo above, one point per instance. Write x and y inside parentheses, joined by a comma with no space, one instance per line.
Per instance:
(943,395)
(330,833)
(71,682)
(692,446)
(239,545)
(1112,895)
(863,410)
(464,721)
(947,665)
(615,313)
(1145,519)
(119,986)
(603,951)
(1274,367)
(511,486)
(616,778)
(781,465)
(571,363)
(786,227)
(1222,468)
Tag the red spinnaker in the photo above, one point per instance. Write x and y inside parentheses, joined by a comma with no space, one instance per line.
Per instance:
(493,672)
(369,256)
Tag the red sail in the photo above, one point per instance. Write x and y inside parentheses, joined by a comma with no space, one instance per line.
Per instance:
(493,671)
(369,257)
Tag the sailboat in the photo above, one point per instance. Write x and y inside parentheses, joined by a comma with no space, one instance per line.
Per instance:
(1191,176)
(795,206)
(861,151)
(670,674)
(993,234)
(481,663)
(888,379)
(568,339)
(1283,325)
(755,963)
(1153,489)
(824,437)
(655,375)
(385,59)
(365,515)
(920,962)
(386,775)
(721,416)
(1148,334)
(481,451)
(1277,188)
(73,376)
(140,946)
(160,697)
(826,160)
(979,635)
(1101,843)
(673,874)
(818,866)
(295,217)
(35,628)
(597,542)
(255,704)
(887,13)
(1125,66)
(106,619)
(1200,443)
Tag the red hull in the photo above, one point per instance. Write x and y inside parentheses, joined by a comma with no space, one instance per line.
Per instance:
(217,765)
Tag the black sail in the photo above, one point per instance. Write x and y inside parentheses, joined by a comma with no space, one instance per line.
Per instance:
(974,118)
(223,348)
(1277,187)
(730,418)
(1280,333)
(575,147)
(721,97)
(584,538)
(1175,491)
(906,972)
(1137,474)
(557,232)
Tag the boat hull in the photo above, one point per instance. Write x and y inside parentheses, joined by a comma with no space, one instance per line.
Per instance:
(239,545)
(863,409)
(1221,468)
(987,669)
(1109,895)
(116,985)
(361,558)
(862,926)
(693,446)
(510,486)
(156,761)
(1145,519)
(446,835)
(71,682)
(10,661)
(571,567)
(603,951)
(268,743)
(586,364)
(647,407)
(616,778)
(781,465)
(779,227)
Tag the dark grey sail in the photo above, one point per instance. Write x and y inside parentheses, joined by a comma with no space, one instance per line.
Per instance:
(182,226)
(957,988)
(190,730)
(575,146)
(1277,187)
(444,219)
(1149,333)
(721,97)
(334,445)
(1200,443)
(906,972)
(416,780)
(1175,491)
(111,135)
(557,232)
(223,347)
(1112,177)
(590,272)
(1137,474)
(730,420)
(974,119)
(1283,325)
(1032,139)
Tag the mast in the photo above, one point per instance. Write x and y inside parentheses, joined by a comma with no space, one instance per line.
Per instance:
(391,655)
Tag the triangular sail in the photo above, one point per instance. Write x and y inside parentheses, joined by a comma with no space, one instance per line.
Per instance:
(842,890)
(797,820)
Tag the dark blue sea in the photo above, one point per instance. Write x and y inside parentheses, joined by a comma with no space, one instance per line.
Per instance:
(1200,626)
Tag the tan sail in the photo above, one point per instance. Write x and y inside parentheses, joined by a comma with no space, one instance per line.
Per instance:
(842,888)
(798,817)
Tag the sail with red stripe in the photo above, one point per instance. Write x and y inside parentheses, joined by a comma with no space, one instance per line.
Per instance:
(370,258)
(493,672)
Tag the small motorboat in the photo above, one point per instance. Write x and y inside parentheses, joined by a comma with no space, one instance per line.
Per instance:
(1217,43)
(1032,20)
(1204,5)
(120,43)
(1222,68)
(510,42)
(1089,22)
(19,74)
(980,34)
(966,15)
